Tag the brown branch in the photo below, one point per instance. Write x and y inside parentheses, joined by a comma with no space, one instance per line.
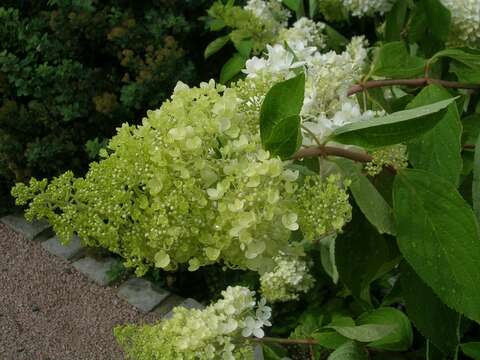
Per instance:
(331,151)
(409,82)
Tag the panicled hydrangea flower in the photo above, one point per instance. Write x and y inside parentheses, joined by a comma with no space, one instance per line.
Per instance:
(213,333)
(394,156)
(191,185)
(323,126)
(270,11)
(465,21)
(279,64)
(361,8)
(322,206)
(287,280)
(261,21)
(330,75)
(304,37)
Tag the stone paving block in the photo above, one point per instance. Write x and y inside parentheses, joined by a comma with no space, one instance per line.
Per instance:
(188,303)
(96,270)
(142,294)
(70,251)
(168,304)
(29,230)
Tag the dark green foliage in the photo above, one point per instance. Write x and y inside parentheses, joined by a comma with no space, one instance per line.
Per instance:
(73,71)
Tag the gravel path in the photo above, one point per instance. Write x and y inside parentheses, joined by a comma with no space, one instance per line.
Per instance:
(50,311)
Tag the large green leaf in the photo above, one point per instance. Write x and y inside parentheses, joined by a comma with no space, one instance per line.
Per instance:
(329,339)
(439,150)
(349,351)
(465,63)
(393,128)
(438,235)
(435,321)
(365,332)
(395,20)
(393,61)
(472,349)
(400,338)
(362,255)
(216,45)
(327,256)
(232,67)
(476,180)
(429,25)
(243,46)
(279,117)
(368,199)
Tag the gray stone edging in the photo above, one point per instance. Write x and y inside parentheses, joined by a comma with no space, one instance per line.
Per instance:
(29,230)
(72,250)
(142,294)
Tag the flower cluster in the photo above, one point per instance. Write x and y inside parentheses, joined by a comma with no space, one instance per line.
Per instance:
(191,185)
(338,10)
(217,332)
(322,206)
(329,76)
(362,8)
(261,21)
(394,156)
(465,21)
(289,278)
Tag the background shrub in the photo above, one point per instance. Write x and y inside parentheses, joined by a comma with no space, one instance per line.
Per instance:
(71,71)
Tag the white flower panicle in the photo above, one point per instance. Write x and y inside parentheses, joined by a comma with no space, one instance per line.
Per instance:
(271,11)
(216,332)
(289,278)
(304,34)
(465,21)
(362,8)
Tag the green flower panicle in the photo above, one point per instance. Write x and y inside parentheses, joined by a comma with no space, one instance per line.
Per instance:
(323,206)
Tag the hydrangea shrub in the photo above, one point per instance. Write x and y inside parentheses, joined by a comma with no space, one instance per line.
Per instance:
(348,180)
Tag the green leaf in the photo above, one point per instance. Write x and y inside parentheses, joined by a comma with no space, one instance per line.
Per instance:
(349,351)
(335,40)
(293,5)
(435,321)
(400,339)
(438,235)
(363,259)
(368,199)
(285,137)
(273,352)
(327,256)
(471,129)
(364,333)
(465,63)
(232,67)
(394,61)
(244,47)
(439,150)
(395,20)
(329,339)
(215,46)
(476,180)
(471,349)
(393,128)
(312,8)
(279,119)
(429,25)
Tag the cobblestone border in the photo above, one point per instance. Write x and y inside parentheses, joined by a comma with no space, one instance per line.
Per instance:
(140,293)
